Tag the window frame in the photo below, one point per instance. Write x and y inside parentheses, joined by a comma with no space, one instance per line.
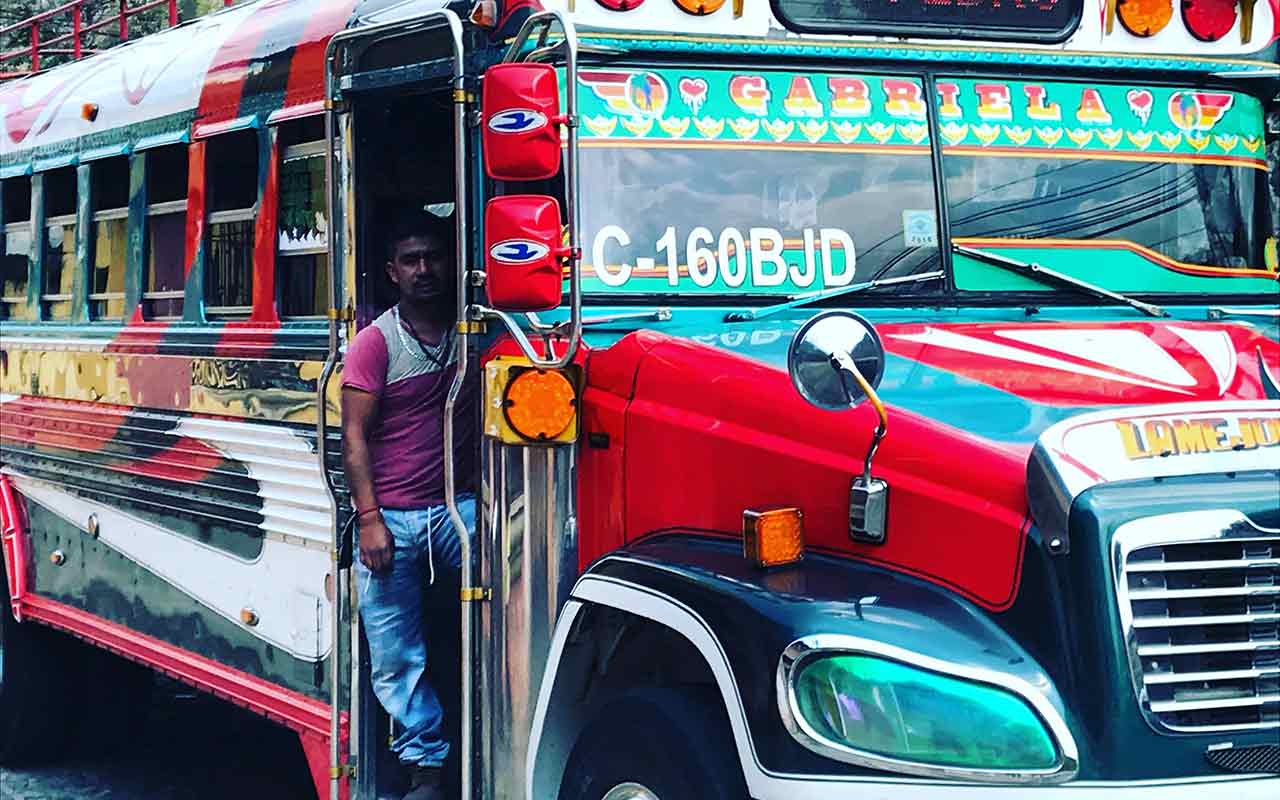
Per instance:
(315,148)
(105,215)
(156,210)
(26,226)
(46,313)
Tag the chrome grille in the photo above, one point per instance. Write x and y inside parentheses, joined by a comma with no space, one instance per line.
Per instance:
(1199,596)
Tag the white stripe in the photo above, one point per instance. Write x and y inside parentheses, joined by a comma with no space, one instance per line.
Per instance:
(1216,348)
(284,584)
(1129,350)
(969,344)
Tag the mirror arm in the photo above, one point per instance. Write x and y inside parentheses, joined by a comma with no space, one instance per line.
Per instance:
(841,362)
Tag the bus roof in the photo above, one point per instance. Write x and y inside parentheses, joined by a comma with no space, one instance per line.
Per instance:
(262,62)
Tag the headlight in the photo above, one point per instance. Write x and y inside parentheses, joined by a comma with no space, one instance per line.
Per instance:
(878,711)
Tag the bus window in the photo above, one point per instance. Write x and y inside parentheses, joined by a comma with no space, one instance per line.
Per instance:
(60,259)
(231,175)
(14,266)
(303,261)
(166,231)
(110,201)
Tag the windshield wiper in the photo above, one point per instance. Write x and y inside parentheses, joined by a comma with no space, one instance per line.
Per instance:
(1032,270)
(797,300)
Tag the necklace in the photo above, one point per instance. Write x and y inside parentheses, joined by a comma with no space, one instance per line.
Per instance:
(436,355)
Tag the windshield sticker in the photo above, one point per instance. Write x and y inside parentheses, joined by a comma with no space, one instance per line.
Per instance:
(919,228)
(730,108)
(1068,120)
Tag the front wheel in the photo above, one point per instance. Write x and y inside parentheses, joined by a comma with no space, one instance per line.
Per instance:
(655,745)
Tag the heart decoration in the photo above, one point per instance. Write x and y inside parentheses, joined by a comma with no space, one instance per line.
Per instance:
(1140,103)
(693,91)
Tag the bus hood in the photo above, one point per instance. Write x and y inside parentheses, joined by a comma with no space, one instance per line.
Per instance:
(692,425)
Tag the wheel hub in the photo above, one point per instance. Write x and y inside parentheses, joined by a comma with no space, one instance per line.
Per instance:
(630,791)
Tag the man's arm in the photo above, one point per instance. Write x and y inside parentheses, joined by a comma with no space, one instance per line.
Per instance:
(359,414)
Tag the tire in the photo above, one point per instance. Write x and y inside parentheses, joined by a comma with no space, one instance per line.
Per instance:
(655,745)
(33,709)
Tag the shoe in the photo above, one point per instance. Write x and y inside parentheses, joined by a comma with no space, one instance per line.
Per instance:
(427,783)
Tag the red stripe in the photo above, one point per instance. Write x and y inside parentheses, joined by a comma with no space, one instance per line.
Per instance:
(297,711)
(306,70)
(224,82)
(264,241)
(195,206)
(13,543)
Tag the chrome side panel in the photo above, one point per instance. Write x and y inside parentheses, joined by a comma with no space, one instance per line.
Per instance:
(528,558)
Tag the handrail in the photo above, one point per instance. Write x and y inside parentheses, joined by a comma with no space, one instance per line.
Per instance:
(37,47)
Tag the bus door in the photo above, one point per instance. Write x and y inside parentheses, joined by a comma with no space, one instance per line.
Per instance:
(397,131)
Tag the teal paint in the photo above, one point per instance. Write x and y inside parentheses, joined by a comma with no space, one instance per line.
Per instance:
(35,258)
(136,254)
(1004,60)
(84,245)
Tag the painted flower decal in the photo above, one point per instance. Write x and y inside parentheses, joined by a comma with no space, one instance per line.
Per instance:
(1140,139)
(813,130)
(1170,140)
(1050,136)
(846,132)
(709,127)
(1080,136)
(986,133)
(914,132)
(675,127)
(779,129)
(1018,134)
(1111,137)
(954,132)
(601,126)
(745,128)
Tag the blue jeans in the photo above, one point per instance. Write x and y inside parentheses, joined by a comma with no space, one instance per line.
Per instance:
(391,608)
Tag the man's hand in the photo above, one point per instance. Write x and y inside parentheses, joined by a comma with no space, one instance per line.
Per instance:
(376,545)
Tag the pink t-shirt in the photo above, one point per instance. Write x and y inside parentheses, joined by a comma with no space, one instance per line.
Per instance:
(407,440)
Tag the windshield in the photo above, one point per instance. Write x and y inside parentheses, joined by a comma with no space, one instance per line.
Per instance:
(1159,186)
(762,183)
(753,182)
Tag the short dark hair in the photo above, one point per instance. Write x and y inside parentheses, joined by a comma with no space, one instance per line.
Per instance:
(412,222)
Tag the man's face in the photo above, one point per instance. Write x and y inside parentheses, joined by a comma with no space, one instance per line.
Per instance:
(421,269)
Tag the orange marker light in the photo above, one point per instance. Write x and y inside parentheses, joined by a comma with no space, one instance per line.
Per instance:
(540,404)
(699,8)
(773,537)
(89,111)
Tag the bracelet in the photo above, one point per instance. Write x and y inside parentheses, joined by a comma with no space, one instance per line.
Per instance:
(373,510)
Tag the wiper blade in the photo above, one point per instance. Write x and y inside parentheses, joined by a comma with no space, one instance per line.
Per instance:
(1036,272)
(797,300)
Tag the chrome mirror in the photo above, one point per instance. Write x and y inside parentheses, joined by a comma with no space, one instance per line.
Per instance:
(825,349)
(836,361)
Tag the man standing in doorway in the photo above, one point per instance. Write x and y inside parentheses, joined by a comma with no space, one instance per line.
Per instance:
(395,380)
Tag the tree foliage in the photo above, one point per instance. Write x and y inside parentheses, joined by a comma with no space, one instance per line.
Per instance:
(150,21)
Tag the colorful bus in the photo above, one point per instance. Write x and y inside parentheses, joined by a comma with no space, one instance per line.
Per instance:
(879,398)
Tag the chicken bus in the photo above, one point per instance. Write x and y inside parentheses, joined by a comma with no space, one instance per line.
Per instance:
(879,399)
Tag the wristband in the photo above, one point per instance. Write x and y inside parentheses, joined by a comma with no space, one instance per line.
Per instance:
(372,510)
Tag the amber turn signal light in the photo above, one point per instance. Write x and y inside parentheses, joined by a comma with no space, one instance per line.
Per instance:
(772,537)
(540,404)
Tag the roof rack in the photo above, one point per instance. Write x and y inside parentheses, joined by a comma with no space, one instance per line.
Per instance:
(86,19)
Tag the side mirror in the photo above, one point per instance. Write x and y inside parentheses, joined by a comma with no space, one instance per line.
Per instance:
(521,110)
(524,252)
(836,361)
(824,344)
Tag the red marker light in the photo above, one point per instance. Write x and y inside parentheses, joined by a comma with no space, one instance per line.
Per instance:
(1209,20)
(620,5)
